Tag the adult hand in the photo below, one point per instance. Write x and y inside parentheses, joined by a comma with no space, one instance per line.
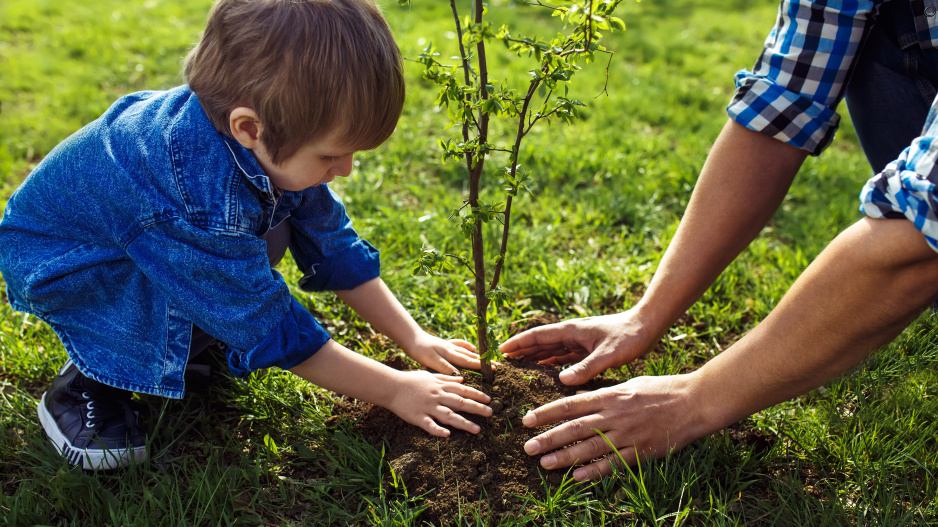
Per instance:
(645,417)
(596,342)
(444,356)
(430,400)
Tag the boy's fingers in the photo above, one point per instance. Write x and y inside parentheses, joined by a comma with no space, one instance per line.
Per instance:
(434,429)
(474,406)
(462,404)
(466,359)
(468,392)
(463,352)
(453,377)
(448,417)
(469,359)
(442,366)
(463,344)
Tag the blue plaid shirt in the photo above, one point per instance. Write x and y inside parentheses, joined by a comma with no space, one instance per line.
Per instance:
(798,80)
(906,187)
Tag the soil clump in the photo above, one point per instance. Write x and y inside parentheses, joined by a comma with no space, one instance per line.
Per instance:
(487,473)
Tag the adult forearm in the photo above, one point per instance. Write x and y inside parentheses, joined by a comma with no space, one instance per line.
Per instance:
(866,286)
(742,183)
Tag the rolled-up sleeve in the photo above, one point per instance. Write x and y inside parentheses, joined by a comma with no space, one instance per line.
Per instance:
(796,84)
(326,248)
(906,187)
(224,284)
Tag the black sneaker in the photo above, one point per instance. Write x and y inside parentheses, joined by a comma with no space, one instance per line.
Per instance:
(92,425)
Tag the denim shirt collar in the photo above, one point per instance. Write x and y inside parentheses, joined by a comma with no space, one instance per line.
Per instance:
(245,160)
(197,124)
(248,164)
(285,200)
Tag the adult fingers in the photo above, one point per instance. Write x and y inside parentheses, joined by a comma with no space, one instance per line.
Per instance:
(559,360)
(540,354)
(564,409)
(567,436)
(592,446)
(543,337)
(589,367)
(534,352)
(604,467)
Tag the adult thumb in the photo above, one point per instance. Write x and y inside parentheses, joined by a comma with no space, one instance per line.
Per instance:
(581,372)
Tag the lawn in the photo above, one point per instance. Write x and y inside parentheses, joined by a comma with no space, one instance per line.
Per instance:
(608,194)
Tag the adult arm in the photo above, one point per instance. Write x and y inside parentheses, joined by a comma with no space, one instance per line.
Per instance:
(742,183)
(789,98)
(863,289)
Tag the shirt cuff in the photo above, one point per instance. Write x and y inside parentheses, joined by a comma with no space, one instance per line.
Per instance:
(897,192)
(764,106)
(296,338)
(345,270)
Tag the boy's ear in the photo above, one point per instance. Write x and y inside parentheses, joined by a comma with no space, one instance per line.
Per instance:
(245,127)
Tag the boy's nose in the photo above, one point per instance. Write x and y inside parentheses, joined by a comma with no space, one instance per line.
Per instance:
(343,166)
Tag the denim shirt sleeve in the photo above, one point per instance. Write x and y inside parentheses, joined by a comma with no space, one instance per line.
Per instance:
(792,91)
(326,248)
(224,283)
(906,188)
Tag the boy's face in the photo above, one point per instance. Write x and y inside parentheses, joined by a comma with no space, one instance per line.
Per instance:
(313,164)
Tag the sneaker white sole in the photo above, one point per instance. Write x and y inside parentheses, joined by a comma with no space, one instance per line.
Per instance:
(87,459)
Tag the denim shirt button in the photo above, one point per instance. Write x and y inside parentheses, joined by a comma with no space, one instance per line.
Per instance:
(930,11)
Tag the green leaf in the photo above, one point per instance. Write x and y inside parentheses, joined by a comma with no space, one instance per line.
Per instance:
(271,445)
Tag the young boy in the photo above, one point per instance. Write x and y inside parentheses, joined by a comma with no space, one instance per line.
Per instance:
(151,232)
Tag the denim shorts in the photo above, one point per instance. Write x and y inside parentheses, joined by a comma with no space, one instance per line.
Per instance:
(892,86)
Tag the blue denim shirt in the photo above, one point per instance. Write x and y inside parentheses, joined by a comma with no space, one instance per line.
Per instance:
(147,221)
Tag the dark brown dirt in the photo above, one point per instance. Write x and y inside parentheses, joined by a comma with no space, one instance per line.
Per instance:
(489,470)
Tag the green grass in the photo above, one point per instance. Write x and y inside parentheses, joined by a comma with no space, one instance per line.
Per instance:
(609,193)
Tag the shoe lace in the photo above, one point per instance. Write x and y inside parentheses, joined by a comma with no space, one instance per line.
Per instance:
(102,410)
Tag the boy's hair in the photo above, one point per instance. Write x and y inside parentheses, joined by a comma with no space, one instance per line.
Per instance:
(305,67)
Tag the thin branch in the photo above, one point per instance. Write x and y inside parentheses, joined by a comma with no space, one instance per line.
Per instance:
(464,204)
(462,261)
(465,69)
(539,117)
(466,66)
(606,84)
(516,151)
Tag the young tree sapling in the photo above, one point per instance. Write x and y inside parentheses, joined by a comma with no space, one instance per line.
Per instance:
(472,99)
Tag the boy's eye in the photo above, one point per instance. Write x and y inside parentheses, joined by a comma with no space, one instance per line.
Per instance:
(331,158)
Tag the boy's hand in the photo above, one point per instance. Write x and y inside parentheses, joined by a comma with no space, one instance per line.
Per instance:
(444,356)
(430,400)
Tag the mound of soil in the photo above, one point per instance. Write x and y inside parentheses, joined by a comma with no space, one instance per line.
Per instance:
(487,471)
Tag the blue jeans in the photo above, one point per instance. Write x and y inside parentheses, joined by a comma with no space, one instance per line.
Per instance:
(892,86)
